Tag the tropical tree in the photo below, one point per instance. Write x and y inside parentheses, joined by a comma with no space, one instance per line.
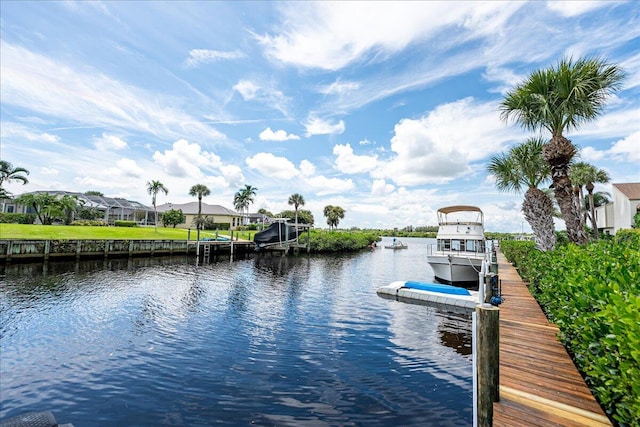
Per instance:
(524,167)
(585,174)
(296,200)
(200,191)
(153,188)
(559,99)
(304,216)
(8,173)
(333,214)
(243,198)
(50,207)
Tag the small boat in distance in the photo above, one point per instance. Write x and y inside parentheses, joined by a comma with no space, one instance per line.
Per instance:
(277,234)
(397,244)
(457,256)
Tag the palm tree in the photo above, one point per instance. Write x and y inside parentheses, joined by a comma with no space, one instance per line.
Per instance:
(200,191)
(153,188)
(585,174)
(559,99)
(243,198)
(333,214)
(524,167)
(8,173)
(296,200)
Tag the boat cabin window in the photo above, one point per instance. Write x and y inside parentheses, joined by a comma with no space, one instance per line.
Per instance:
(444,245)
(457,245)
(475,246)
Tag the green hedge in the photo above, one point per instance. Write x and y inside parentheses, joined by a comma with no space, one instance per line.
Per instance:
(323,241)
(17,218)
(592,293)
(90,223)
(119,223)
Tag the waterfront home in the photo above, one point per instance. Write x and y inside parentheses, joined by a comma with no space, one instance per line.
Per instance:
(619,213)
(224,217)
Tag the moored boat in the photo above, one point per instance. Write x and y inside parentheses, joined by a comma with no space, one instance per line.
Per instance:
(457,256)
(397,244)
(277,234)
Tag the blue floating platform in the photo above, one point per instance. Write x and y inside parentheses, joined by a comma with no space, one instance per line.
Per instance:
(437,287)
(431,293)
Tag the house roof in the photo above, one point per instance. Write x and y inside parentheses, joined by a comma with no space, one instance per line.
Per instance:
(100,202)
(631,190)
(191,208)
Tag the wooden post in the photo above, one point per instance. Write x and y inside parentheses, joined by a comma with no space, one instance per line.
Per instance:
(488,362)
(47,246)
(78,248)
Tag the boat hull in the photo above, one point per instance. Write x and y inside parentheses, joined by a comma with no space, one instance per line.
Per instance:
(455,269)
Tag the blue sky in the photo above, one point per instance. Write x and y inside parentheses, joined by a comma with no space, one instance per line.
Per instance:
(387,109)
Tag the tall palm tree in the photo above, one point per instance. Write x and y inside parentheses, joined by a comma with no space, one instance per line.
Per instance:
(524,167)
(243,198)
(585,174)
(559,99)
(8,173)
(153,188)
(296,200)
(333,214)
(200,191)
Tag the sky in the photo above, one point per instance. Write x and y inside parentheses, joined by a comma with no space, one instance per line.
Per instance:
(389,110)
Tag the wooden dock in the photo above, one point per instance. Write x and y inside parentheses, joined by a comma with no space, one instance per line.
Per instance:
(539,384)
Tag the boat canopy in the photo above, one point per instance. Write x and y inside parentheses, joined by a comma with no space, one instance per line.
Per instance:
(473,215)
(459,208)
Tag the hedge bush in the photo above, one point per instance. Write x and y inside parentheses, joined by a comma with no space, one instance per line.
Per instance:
(592,293)
(89,223)
(17,218)
(119,223)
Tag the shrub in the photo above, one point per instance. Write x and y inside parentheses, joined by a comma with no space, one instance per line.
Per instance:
(17,218)
(90,223)
(119,223)
(592,293)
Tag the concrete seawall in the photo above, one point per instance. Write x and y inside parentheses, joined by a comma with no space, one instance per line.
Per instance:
(35,250)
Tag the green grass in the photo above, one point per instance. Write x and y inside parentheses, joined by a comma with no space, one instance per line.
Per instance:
(69,232)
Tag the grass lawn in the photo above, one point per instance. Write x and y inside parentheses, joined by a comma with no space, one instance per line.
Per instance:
(69,232)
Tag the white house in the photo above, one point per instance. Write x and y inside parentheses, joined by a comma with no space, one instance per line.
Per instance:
(620,212)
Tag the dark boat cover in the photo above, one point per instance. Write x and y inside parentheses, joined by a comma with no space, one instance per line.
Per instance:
(278,232)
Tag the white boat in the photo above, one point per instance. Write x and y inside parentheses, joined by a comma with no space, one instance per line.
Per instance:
(397,245)
(460,248)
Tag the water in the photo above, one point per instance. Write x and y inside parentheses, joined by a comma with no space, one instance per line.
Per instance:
(286,341)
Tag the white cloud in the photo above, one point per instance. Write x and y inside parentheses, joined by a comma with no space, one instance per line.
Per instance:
(307,168)
(272,166)
(440,146)
(279,135)
(204,56)
(129,167)
(612,124)
(49,171)
(317,126)
(18,131)
(265,94)
(574,8)
(232,174)
(324,186)
(247,89)
(186,159)
(109,142)
(339,88)
(331,35)
(52,88)
(627,149)
(379,187)
(349,163)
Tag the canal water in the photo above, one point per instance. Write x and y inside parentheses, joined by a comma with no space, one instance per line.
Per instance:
(266,340)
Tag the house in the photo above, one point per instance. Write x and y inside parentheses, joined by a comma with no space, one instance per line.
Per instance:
(113,208)
(227,218)
(620,212)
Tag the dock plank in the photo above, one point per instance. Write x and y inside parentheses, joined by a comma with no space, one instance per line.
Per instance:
(539,384)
